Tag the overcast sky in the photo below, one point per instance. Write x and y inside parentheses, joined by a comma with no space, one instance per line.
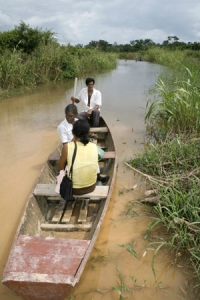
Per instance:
(120,21)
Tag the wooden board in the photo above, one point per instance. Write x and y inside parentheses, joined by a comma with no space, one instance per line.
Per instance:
(107,155)
(48,190)
(37,255)
(66,227)
(58,214)
(83,211)
(69,211)
(44,267)
(98,129)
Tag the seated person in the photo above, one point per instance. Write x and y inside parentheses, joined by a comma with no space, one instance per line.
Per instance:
(65,133)
(65,127)
(85,166)
(90,98)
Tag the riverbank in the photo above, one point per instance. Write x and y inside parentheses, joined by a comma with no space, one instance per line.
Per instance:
(171,165)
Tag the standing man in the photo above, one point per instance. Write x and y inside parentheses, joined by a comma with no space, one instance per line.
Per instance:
(91,100)
(65,127)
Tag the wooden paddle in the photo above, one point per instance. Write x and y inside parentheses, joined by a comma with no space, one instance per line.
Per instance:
(75,85)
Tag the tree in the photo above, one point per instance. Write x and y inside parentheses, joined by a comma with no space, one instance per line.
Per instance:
(25,38)
(101,45)
(173,39)
(92,45)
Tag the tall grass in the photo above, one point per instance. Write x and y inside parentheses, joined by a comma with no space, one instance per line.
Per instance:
(163,56)
(177,108)
(50,63)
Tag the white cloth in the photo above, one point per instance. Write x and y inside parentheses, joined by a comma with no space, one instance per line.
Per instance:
(65,131)
(94,100)
(59,180)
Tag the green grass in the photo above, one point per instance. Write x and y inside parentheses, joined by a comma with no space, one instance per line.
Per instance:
(49,63)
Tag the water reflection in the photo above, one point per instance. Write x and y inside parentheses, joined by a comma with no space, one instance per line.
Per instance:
(28,135)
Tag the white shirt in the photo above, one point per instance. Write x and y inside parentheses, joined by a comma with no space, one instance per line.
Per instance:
(65,131)
(94,100)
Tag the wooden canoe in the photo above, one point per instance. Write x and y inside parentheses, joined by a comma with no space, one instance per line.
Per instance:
(47,258)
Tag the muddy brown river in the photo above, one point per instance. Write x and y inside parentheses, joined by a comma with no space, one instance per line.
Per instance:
(28,135)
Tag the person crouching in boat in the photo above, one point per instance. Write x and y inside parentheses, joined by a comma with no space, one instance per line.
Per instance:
(86,161)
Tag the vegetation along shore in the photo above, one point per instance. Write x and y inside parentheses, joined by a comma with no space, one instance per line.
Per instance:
(170,163)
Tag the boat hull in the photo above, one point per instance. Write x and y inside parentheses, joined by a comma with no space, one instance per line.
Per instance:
(47,259)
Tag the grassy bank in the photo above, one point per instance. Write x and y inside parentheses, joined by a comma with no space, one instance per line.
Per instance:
(49,63)
(171,159)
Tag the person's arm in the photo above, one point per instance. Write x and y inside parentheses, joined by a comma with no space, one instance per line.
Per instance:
(63,158)
(89,112)
(64,135)
(79,97)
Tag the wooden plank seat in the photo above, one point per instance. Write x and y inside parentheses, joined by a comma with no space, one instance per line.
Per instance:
(107,155)
(98,129)
(48,190)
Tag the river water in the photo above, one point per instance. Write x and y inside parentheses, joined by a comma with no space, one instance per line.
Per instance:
(28,135)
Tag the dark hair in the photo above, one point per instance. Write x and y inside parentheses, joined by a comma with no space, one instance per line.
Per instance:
(72,109)
(81,129)
(88,80)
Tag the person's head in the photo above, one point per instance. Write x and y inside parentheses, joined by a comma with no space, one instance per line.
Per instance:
(70,113)
(90,82)
(81,130)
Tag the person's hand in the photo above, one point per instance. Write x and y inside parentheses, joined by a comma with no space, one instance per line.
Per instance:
(89,112)
(73,99)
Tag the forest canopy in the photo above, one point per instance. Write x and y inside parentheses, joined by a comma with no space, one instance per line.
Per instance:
(27,39)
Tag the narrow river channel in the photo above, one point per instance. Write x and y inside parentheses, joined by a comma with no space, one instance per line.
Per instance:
(28,135)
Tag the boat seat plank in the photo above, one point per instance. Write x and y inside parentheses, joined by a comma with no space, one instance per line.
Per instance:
(107,155)
(48,190)
(98,129)
(66,227)
(100,191)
